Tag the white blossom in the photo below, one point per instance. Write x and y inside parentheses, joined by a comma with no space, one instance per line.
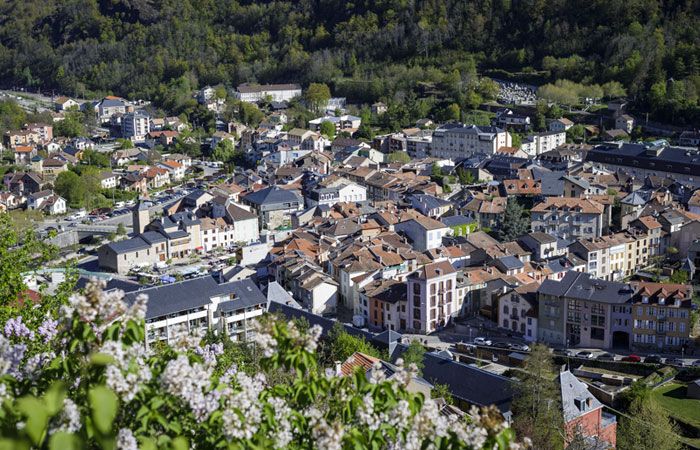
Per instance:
(126,440)
(69,419)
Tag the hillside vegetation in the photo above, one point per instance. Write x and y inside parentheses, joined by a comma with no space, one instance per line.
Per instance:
(366,50)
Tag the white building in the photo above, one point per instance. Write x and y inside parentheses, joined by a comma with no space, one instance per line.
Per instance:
(345,122)
(253,93)
(199,305)
(562,124)
(539,143)
(425,233)
(349,192)
(431,297)
(517,311)
(47,202)
(458,141)
(136,126)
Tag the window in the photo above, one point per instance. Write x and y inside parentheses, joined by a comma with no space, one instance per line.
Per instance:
(505,309)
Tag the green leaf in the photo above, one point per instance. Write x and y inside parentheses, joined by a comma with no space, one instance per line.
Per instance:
(63,441)
(54,398)
(101,359)
(104,404)
(180,443)
(37,417)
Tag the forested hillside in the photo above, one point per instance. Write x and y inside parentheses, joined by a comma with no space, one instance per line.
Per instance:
(364,49)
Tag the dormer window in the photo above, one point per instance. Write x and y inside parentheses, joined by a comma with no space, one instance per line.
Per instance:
(662,301)
(677,303)
(645,299)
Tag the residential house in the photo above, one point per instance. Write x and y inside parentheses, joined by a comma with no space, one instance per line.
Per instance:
(24,154)
(274,206)
(15,138)
(425,233)
(615,256)
(173,237)
(518,311)
(236,226)
(111,106)
(429,205)
(64,104)
(385,301)
(568,218)
(625,122)
(346,192)
(560,125)
(542,245)
(24,183)
(174,168)
(47,202)
(162,137)
(506,118)
(584,418)
(52,167)
(432,302)
(125,156)
(689,138)
(662,316)
(487,212)
(109,180)
(346,122)
(10,201)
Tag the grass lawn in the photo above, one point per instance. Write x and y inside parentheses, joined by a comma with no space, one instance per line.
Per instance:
(672,397)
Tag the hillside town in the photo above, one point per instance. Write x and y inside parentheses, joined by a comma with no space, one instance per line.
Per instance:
(476,239)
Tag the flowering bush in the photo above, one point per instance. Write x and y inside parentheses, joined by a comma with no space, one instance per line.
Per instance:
(84,378)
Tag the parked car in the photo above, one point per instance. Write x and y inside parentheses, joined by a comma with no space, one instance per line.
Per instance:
(632,358)
(696,363)
(482,341)
(564,352)
(585,354)
(653,359)
(519,347)
(605,357)
(675,362)
(500,345)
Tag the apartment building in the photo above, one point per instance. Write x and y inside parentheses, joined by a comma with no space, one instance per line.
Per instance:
(200,305)
(615,256)
(517,311)
(331,195)
(582,311)
(568,218)
(458,141)
(385,302)
(432,300)
(661,314)
(135,126)
(539,143)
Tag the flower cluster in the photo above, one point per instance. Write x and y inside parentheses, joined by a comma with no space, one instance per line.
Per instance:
(15,328)
(191,382)
(48,330)
(127,370)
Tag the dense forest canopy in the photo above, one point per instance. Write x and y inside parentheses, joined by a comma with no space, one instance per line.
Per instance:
(366,50)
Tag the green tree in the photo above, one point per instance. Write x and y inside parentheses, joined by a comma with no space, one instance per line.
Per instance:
(125,143)
(71,125)
(576,133)
(95,158)
(224,151)
(20,252)
(414,354)
(327,129)
(515,221)
(121,229)
(69,186)
(647,426)
(340,345)
(12,116)
(537,401)
(399,157)
(317,96)
(678,277)
(465,176)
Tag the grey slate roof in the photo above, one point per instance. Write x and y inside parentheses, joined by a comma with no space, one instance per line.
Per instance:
(511,262)
(277,294)
(467,383)
(581,286)
(453,221)
(271,196)
(128,245)
(195,293)
(576,400)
